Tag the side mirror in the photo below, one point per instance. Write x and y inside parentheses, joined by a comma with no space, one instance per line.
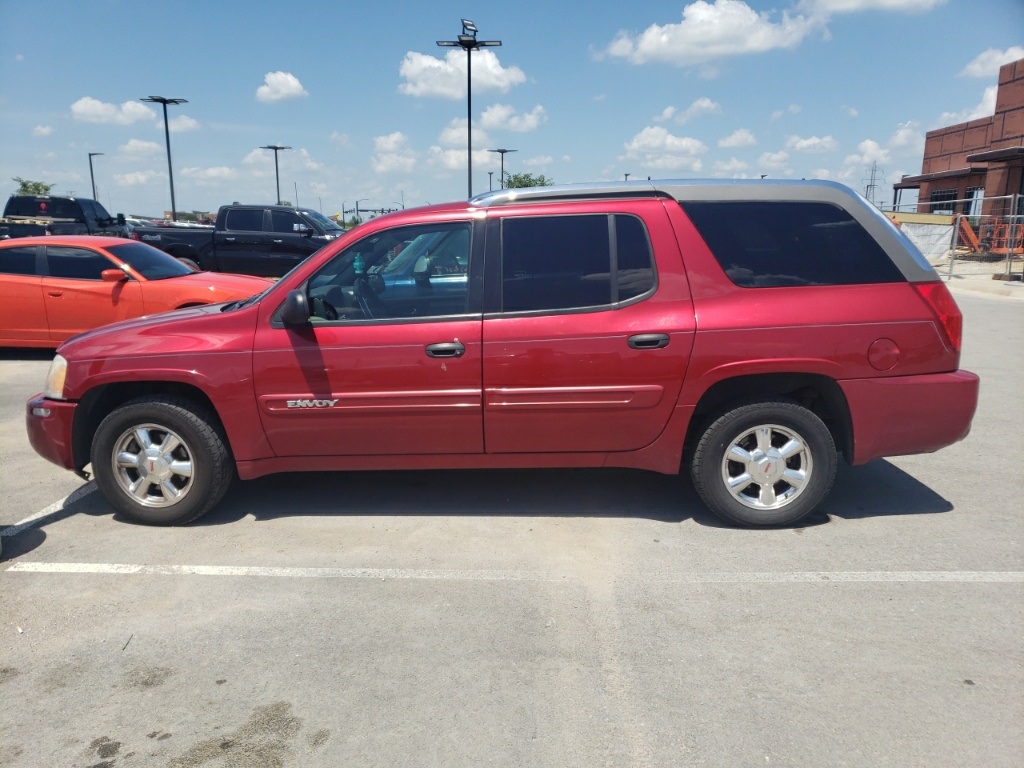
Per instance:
(113,275)
(295,310)
(302,229)
(120,219)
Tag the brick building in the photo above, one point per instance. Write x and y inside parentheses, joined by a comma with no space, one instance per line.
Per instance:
(974,161)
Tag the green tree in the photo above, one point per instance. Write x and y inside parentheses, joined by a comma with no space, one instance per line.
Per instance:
(26,187)
(520,180)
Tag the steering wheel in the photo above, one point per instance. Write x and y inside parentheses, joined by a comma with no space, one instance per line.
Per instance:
(367,298)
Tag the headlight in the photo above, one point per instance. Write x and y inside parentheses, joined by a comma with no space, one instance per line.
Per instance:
(54,388)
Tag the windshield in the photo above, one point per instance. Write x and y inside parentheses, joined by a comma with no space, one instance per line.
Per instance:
(149,262)
(323,221)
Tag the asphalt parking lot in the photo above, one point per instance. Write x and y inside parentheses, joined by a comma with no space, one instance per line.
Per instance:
(550,618)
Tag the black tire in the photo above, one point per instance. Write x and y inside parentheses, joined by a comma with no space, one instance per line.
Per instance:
(189,465)
(189,263)
(745,442)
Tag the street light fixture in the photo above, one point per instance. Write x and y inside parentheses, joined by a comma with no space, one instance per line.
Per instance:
(468,42)
(91,177)
(167,137)
(502,152)
(277,176)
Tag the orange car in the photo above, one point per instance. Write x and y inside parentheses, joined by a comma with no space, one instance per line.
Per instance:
(54,287)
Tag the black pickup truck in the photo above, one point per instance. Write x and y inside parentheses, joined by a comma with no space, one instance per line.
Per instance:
(263,240)
(32,215)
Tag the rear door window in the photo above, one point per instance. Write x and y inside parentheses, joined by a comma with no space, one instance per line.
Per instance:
(244,220)
(776,244)
(552,263)
(18,261)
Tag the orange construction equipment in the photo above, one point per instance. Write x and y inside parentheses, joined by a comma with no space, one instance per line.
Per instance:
(995,235)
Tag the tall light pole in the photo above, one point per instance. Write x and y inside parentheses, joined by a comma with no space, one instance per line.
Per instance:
(91,177)
(360,200)
(502,152)
(277,176)
(468,42)
(167,137)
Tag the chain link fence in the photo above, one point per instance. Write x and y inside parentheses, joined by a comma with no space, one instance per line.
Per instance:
(972,237)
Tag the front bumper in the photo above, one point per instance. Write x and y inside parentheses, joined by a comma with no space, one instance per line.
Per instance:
(901,415)
(50,427)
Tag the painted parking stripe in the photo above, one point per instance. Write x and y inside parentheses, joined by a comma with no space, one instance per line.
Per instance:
(784,577)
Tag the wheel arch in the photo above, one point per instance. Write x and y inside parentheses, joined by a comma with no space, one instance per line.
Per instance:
(820,394)
(100,401)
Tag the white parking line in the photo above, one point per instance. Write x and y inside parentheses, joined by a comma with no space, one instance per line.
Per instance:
(784,577)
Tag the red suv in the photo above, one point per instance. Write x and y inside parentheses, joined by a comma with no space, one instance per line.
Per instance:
(750,331)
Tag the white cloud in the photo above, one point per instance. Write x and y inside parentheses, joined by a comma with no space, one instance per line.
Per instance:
(258,157)
(139,148)
(341,138)
(181,123)
(868,151)
(712,30)
(541,161)
(732,166)
(455,159)
(812,144)
(850,111)
(393,154)
(207,176)
(446,78)
(775,161)
(908,136)
(793,109)
(985,108)
(702,106)
(90,110)
(655,147)
(502,116)
(42,130)
(987,63)
(829,7)
(280,86)
(454,134)
(739,138)
(666,114)
(136,178)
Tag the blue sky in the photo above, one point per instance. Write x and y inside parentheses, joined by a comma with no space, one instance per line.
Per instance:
(584,91)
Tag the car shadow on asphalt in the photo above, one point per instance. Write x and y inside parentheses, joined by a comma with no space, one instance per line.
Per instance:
(877,489)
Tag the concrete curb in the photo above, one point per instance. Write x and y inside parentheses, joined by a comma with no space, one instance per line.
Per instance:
(981,286)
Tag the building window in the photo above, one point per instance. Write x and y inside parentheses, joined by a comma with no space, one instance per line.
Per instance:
(941,201)
(975,198)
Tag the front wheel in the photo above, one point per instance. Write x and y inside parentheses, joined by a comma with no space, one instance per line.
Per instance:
(767,463)
(161,460)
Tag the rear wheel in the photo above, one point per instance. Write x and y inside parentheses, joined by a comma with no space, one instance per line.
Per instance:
(767,463)
(161,460)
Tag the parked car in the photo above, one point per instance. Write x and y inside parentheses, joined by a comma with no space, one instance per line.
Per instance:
(55,287)
(750,332)
(249,239)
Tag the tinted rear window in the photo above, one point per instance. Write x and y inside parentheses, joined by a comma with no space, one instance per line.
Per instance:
(18,261)
(776,244)
(56,207)
(244,220)
(566,262)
